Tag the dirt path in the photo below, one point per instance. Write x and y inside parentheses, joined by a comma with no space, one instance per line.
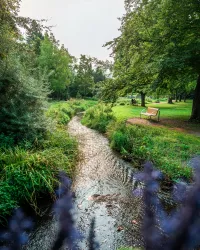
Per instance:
(178,125)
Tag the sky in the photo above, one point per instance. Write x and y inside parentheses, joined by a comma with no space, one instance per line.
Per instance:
(83,26)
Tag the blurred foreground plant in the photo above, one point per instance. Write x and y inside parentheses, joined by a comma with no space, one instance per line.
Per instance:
(16,237)
(180,229)
(63,209)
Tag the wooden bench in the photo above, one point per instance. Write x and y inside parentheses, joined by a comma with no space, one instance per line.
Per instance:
(150,112)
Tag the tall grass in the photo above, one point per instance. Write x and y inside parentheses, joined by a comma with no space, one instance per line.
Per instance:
(98,117)
(168,150)
(27,174)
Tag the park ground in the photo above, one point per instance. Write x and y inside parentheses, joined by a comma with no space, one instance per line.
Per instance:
(173,116)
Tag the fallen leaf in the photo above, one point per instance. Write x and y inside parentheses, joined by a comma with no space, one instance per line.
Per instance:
(120,228)
(134,222)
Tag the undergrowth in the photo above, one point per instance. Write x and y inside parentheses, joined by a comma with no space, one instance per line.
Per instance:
(170,151)
(25,174)
(98,117)
(62,112)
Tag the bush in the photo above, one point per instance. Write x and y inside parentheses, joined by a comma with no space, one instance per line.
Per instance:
(59,110)
(59,116)
(149,99)
(168,150)
(98,117)
(23,100)
(61,113)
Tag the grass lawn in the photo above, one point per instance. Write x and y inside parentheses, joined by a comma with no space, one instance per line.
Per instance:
(180,110)
(171,115)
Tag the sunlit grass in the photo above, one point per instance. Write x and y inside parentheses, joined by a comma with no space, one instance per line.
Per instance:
(169,150)
(179,110)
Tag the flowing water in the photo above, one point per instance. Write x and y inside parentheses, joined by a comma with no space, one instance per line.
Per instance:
(103,188)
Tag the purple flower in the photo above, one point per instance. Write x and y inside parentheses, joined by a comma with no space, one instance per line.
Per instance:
(178,231)
(63,209)
(16,236)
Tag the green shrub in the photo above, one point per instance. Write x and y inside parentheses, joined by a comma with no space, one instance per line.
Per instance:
(23,100)
(168,150)
(58,110)
(61,115)
(98,117)
(149,100)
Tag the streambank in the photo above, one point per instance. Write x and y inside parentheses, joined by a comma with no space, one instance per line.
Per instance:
(103,189)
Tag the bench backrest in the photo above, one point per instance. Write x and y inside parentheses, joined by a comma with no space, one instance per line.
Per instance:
(152,111)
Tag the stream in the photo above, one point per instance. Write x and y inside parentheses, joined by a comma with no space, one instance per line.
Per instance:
(103,189)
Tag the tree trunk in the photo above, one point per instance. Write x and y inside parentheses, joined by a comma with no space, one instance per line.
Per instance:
(196,102)
(176,96)
(180,98)
(185,98)
(170,100)
(143,99)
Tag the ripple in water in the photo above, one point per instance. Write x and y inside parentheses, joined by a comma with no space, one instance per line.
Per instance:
(103,188)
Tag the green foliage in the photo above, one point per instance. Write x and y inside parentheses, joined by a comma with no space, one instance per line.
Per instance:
(167,149)
(56,63)
(6,141)
(23,101)
(63,111)
(60,115)
(26,174)
(83,80)
(98,117)
(23,89)
(108,91)
(161,40)
(88,76)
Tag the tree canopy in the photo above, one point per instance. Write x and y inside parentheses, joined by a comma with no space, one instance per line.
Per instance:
(159,47)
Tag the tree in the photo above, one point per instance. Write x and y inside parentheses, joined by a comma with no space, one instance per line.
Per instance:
(56,62)
(176,41)
(162,36)
(83,83)
(134,66)
(22,95)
